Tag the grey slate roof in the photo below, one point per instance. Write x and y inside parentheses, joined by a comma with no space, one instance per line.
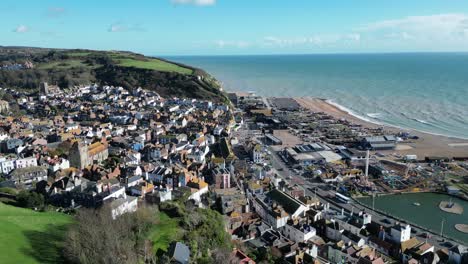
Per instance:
(180,253)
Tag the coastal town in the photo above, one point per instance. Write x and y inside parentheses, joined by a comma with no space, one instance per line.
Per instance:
(294,185)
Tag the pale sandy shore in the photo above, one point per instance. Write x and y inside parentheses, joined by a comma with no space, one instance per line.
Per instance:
(426,145)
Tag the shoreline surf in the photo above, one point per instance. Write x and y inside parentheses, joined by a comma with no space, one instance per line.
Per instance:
(426,145)
(383,123)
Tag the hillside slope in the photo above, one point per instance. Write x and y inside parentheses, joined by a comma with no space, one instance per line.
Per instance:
(26,68)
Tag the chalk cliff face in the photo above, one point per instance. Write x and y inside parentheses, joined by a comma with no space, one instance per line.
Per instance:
(24,67)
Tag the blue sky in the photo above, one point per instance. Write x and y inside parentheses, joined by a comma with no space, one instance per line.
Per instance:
(214,27)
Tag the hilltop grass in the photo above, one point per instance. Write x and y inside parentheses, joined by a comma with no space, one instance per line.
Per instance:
(154,64)
(163,233)
(121,59)
(32,237)
(66,64)
(78,54)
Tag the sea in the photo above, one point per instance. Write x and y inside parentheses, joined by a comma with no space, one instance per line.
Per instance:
(422,91)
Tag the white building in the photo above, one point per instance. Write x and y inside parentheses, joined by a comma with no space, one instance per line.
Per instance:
(198,155)
(300,232)
(277,207)
(400,233)
(3,135)
(6,165)
(198,193)
(120,206)
(25,162)
(165,195)
(60,164)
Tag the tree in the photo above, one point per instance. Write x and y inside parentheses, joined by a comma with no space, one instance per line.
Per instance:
(30,199)
(97,238)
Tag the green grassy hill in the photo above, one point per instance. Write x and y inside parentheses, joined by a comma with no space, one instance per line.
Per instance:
(27,236)
(68,68)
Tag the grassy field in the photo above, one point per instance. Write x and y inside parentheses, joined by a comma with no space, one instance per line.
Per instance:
(27,236)
(66,64)
(166,231)
(121,59)
(153,64)
(78,54)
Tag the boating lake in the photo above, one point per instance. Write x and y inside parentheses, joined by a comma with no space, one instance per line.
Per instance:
(427,214)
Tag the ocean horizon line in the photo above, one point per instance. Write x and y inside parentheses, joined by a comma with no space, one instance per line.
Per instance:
(305,54)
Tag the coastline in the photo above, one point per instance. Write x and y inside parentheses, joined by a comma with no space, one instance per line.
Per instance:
(350,112)
(428,144)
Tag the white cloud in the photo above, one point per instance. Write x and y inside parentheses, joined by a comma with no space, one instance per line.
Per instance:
(444,27)
(120,27)
(117,28)
(194,2)
(433,32)
(235,44)
(21,29)
(282,42)
(314,40)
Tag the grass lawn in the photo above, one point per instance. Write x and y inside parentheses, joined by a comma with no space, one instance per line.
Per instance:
(153,64)
(66,64)
(27,236)
(166,231)
(79,54)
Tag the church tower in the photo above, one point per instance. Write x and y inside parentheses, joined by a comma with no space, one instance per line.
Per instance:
(79,155)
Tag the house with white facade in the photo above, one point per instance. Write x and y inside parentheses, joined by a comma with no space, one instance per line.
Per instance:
(277,207)
(299,232)
(125,204)
(6,165)
(400,233)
